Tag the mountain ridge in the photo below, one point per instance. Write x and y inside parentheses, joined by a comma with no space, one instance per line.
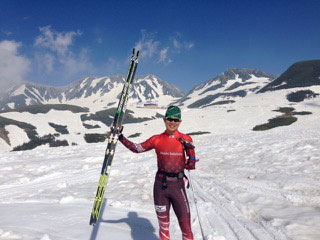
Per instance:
(90,90)
(299,74)
(226,87)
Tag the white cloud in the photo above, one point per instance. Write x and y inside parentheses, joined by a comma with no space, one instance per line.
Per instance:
(164,58)
(7,33)
(81,63)
(189,45)
(147,45)
(150,48)
(180,45)
(13,67)
(177,44)
(55,41)
(99,40)
(54,52)
(45,62)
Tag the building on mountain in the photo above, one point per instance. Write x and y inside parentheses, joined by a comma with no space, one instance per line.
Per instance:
(150,105)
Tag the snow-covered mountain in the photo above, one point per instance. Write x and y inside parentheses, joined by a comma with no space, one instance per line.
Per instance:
(300,74)
(91,92)
(226,88)
(82,112)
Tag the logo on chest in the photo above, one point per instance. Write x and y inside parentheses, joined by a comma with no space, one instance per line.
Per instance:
(171,153)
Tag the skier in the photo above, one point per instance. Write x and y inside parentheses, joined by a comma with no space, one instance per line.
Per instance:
(169,186)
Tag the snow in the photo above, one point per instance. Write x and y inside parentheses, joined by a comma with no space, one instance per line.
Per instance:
(157,88)
(281,84)
(19,91)
(233,81)
(40,120)
(83,83)
(28,101)
(36,91)
(16,135)
(247,185)
(4,146)
(96,102)
(11,105)
(96,81)
(256,82)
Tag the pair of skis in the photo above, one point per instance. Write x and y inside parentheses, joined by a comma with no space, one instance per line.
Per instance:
(113,139)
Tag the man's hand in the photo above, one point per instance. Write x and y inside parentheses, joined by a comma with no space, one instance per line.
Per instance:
(120,136)
(191,165)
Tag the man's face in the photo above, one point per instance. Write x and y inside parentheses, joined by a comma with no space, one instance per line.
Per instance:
(171,125)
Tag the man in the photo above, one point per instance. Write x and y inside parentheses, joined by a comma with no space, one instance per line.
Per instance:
(169,188)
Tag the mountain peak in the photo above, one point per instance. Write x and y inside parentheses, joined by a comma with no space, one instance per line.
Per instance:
(299,74)
(226,87)
(243,73)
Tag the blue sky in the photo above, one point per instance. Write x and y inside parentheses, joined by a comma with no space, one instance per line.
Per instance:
(183,42)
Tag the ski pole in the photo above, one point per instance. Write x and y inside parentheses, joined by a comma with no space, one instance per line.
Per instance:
(195,203)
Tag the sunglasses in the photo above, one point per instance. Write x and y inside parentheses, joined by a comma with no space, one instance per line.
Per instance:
(173,120)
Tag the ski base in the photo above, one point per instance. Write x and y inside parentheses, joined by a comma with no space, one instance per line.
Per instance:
(98,199)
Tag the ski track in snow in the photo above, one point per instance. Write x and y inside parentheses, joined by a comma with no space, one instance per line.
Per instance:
(223,212)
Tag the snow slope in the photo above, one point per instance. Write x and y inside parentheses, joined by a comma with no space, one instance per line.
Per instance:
(67,118)
(248,185)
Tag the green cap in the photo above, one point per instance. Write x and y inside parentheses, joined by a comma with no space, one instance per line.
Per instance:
(173,112)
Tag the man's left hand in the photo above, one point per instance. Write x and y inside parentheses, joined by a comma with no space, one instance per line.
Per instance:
(191,165)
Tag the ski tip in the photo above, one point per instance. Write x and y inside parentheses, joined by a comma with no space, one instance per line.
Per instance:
(138,53)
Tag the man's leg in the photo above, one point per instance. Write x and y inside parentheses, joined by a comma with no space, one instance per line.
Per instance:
(162,207)
(181,208)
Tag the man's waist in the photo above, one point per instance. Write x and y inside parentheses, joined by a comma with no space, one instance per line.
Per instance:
(173,176)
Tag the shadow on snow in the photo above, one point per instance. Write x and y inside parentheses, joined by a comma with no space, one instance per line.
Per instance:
(141,228)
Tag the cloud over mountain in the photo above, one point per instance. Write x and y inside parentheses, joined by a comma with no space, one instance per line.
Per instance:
(13,66)
(54,53)
(161,52)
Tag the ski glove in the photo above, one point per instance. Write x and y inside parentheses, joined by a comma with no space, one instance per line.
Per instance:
(191,164)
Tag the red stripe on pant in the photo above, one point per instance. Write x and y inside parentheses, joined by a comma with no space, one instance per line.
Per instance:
(174,195)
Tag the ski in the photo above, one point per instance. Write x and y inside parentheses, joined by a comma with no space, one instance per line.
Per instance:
(113,139)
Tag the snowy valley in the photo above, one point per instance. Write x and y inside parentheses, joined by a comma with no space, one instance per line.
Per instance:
(251,185)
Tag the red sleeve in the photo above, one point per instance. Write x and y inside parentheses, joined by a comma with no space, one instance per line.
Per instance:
(137,148)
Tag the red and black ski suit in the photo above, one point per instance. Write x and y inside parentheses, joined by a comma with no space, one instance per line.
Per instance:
(169,189)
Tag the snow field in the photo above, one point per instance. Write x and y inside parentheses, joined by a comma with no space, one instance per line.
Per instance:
(248,185)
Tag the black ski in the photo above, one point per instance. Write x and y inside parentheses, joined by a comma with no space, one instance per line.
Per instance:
(113,139)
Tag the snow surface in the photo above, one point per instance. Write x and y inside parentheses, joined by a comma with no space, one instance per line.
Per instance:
(19,91)
(248,185)
(11,105)
(16,135)
(40,120)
